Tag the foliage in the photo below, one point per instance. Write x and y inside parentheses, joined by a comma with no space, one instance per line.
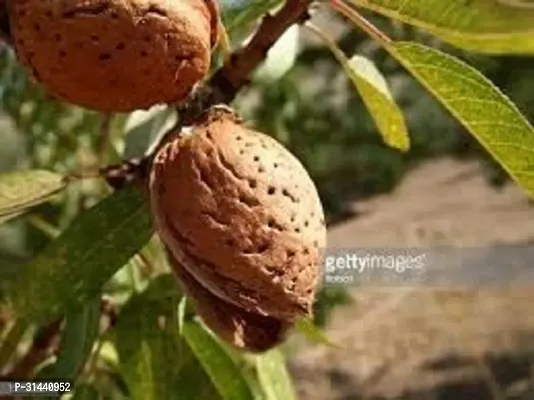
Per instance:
(67,240)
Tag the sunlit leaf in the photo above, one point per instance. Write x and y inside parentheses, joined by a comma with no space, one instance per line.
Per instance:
(496,26)
(22,190)
(155,361)
(144,128)
(224,373)
(75,266)
(274,377)
(280,58)
(375,94)
(484,110)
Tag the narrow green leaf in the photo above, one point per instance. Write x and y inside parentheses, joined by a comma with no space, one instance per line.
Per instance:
(156,363)
(375,94)
(497,26)
(77,340)
(274,377)
(486,112)
(145,128)
(280,58)
(306,327)
(224,373)
(22,190)
(74,267)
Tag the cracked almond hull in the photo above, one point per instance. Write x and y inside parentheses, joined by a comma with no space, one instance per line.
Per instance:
(242,216)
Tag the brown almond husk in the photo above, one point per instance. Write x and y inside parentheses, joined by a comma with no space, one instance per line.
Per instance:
(242,216)
(116,55)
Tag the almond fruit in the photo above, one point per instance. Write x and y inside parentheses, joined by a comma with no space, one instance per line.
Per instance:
(116,55)
(242,216)
(241,329)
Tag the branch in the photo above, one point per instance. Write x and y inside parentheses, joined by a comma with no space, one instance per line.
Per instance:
(235,73)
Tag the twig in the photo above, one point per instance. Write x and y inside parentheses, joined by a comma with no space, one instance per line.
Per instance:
(359,20)
(234,74)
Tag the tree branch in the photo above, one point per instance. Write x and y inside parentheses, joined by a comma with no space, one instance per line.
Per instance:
(235,73)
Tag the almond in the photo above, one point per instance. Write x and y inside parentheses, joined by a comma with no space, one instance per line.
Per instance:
(242,216)
(116,55)
(241,329)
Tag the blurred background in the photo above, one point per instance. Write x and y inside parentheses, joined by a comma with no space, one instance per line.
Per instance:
(398,343)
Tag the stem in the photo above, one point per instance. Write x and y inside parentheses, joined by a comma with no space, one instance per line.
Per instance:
(228,80)
(357,19)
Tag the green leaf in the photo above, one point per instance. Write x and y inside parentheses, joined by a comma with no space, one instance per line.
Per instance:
(156,363)
(145,128)
(280,58)
(239,17)
(487,113)
(77,340)
(75,266)
(375,94)
(274,377)
(22,190)
(306,327)
(497,26)
(224,373)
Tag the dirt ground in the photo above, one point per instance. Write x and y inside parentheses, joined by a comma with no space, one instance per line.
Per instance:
(421,342)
